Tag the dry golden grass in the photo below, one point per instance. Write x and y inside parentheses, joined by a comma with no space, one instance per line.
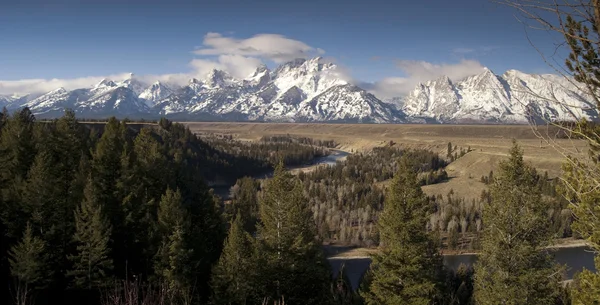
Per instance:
(490,144)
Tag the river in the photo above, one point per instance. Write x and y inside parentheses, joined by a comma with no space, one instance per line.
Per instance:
(575,259)
(331,159)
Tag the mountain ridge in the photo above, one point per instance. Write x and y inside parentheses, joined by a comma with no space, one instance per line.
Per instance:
(313,90)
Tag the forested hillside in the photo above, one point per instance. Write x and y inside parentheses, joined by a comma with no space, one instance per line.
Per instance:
(124,215)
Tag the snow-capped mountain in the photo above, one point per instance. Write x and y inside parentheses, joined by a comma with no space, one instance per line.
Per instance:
(155,93)
(313,90)
(514,97)
(300,90)
(15,101)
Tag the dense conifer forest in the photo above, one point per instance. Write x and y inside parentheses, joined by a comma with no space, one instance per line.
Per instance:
(123,213)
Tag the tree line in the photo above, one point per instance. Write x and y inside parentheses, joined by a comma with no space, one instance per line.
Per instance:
(268,152)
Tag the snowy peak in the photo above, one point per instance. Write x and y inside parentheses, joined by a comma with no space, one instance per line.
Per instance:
(260,77)
(134,84)
(302,66)
(514,97)
(60,90)
(105,83)
(156,92)
(217,79)
(307,90)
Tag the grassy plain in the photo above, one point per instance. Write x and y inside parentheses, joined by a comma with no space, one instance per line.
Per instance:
(489,144)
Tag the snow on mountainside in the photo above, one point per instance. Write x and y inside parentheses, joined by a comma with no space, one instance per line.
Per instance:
(294,91)
(300,90)
(155,93)
(313,90)
(514,97)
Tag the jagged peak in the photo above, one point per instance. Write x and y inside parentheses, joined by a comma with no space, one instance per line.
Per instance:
(58,91)
(216,74)
(105,83)
(295,62)
(194,81)
(261,69)
(444,79)
(487,71)
(156,85)
(316,64)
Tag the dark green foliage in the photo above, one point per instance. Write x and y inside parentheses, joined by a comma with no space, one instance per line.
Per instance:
(409,269)
(92,264)
(301,140)
(346,198)
(291,257)
(459,286)
(17,152)
(513,267)
(245,202)
(259,157)
(173,258)
(27,261)
(234,276)
(45,170)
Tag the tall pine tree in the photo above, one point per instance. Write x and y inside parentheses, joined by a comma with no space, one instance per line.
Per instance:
(173,263)
(92,264)
(245,202)
(233,276)
(513,267)
(409,268)
(17,153)
(293,260)
(26,264)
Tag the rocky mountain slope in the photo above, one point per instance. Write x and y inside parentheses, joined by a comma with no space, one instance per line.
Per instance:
(513,97)
(300,90)
(314,91)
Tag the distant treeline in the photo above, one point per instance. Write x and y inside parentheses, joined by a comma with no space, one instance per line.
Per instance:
(268,153)
(302,140)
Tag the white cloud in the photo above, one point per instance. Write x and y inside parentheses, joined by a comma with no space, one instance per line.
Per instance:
(241,56)
(274,47)
(238,56)
(236,65)
(420,72)
(44,85)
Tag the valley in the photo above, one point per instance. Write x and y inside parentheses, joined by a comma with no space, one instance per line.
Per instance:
(489,143)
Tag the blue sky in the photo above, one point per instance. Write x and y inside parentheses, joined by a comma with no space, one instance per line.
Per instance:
(372,40)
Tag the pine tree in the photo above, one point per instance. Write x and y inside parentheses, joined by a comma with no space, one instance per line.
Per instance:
(245,203)
(26,263)
(143,181)
(4,116)
(233,276)
(106,168)
(173,259)
(17,153)
(92,264)
(409,268)
(513,267)
(583,194)
(293,260)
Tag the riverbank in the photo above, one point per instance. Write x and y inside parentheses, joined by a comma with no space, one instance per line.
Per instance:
(347,252)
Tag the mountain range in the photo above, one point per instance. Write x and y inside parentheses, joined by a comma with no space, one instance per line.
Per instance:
(314,91)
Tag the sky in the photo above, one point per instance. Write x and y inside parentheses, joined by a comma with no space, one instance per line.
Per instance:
(387,46)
